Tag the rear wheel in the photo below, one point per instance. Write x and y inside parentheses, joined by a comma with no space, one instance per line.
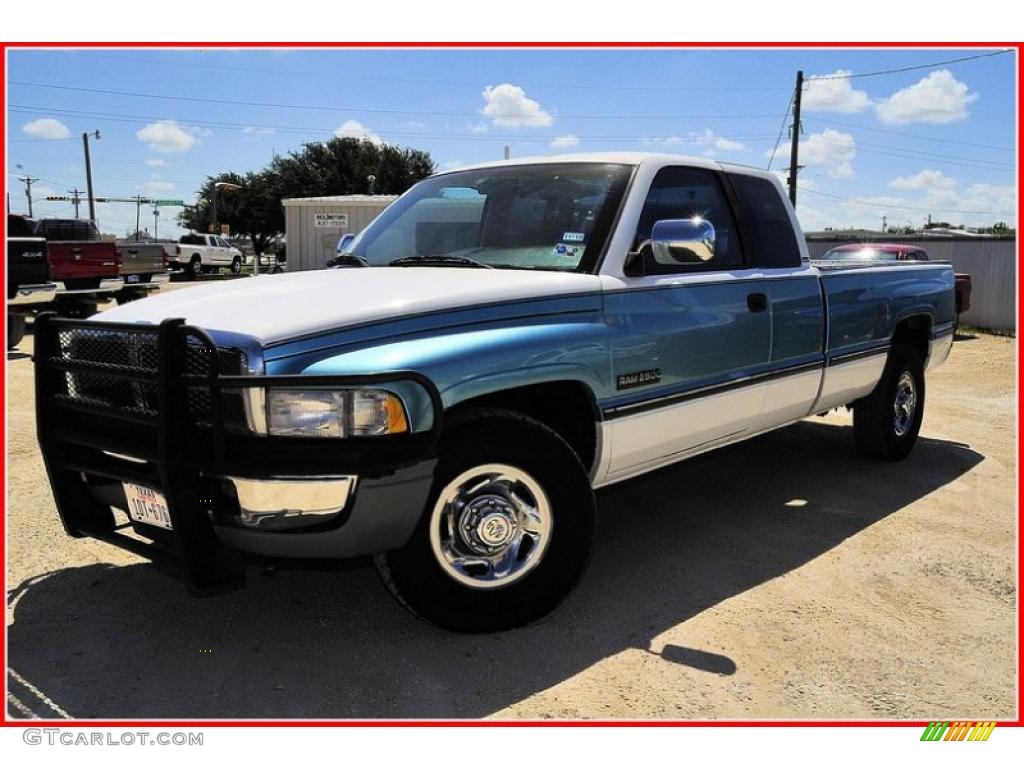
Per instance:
(15,330)
(507,530)
(886,422)
(236,265)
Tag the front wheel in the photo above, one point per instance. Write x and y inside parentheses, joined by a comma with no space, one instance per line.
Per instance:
(195,266)
(236,265)
(886,422)
(15,330)
(507,529)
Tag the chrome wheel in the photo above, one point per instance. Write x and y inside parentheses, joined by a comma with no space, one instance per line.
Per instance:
(905,404)
(490,526)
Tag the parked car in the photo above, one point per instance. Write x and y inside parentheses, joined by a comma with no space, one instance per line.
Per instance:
(144,267)
(902,252)
(519,334)
(28,285)
(200,253)
(85,267)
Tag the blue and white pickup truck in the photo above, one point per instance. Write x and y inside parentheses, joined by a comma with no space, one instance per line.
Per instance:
(498,343)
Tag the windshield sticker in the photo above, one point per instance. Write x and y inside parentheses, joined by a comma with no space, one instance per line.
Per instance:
(574,237)
(569,251)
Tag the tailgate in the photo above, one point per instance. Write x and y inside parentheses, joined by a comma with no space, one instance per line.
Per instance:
(142,258)
(71,259)
(26,262)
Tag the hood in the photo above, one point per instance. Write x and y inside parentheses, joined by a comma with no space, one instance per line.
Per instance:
(274,308)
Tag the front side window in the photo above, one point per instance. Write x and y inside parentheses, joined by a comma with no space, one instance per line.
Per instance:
(548,216)
(687,193)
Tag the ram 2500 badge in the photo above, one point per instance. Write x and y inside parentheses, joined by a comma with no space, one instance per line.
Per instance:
(497,344)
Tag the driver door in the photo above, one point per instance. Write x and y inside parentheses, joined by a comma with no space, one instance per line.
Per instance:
(691,337)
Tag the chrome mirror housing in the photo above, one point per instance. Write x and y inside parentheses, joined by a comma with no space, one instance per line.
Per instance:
(683,241)
(345,242)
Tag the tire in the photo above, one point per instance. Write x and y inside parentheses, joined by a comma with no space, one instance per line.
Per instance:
(124,296)
(882,427)
(540,467)
(76,309)
(236,266)
(15,330)
(956,323)
(195,266)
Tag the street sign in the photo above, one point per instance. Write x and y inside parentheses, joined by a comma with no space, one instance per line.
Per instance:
(180,203)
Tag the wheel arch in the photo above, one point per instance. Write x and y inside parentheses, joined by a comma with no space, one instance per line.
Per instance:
(915,331)
(566,406)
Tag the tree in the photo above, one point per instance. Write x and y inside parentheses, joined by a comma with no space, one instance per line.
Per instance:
(335,167)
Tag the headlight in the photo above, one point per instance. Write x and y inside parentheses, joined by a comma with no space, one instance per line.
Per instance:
(325,412)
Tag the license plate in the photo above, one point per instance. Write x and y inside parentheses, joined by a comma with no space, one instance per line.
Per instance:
(134,278)
(147,506)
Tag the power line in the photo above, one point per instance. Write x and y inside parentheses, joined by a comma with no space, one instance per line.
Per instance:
(897,70)
(435,82)
(323,108)
(782,129)
(830,121)
(869,203)
(120,117)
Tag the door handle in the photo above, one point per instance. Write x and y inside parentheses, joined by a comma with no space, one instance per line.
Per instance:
(757,302)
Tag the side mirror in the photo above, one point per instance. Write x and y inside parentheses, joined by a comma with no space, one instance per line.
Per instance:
(345,242)
(683,241)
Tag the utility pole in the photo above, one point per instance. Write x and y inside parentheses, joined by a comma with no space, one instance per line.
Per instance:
(88,174)
(28,181)
(76,198)
(884,220)
(794,150)
(138,215)
(156,222)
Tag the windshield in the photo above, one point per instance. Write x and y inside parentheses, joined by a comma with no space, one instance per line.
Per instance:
(545,216)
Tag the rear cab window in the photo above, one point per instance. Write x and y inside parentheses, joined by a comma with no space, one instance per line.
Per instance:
(771,240)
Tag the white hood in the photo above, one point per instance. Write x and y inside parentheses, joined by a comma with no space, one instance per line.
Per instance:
(274,308)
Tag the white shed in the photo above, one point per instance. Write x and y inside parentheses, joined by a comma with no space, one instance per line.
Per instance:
(313,225)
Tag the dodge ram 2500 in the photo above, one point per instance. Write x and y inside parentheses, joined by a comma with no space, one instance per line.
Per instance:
(85,267)
(500,342)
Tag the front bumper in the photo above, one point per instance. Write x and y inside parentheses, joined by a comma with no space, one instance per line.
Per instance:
(226,492)
(41,293)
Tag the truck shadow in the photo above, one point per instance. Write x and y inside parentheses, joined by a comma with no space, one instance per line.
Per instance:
(118,642)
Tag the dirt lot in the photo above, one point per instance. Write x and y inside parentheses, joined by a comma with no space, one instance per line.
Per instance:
(782,578)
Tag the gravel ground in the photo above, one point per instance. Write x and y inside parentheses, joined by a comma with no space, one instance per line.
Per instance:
(782,578)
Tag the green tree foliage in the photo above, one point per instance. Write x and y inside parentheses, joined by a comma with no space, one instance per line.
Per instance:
(335,167)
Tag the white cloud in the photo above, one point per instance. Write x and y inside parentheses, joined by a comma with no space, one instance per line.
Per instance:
(167,136)
(155,162)
(157,187)
(712,143)
(563,142)
(926,180)
(353,129)
(508,106)
(833,93)
(415,125)
(477,128)
(937,98)
(668,141)
(255,130)
(47,128)
(831,149)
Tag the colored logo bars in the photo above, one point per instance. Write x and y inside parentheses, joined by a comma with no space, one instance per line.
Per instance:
(962,731)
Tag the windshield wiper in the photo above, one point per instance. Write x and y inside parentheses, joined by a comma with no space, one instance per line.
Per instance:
(347,260)
(439,259)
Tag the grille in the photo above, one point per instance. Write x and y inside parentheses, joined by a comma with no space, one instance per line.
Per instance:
(116,356)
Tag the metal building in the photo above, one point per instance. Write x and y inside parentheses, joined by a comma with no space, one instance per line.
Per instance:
(313,225)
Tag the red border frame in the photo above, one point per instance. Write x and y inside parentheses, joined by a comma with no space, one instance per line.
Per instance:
(1019,722)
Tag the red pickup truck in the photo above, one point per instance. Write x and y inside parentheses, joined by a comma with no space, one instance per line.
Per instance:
(84,267)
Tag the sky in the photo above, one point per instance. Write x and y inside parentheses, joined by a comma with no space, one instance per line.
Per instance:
(937,139)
